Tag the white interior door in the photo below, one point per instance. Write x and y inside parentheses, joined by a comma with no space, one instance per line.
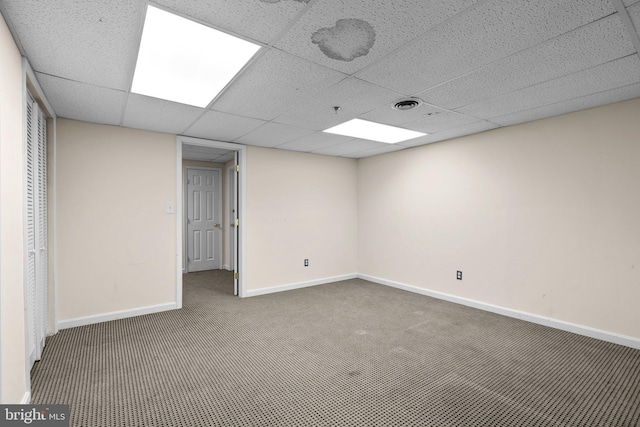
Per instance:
(31,199)
(36,230)
(42,272)
(204,208)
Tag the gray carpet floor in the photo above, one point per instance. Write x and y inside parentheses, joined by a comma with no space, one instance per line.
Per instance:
(351,353)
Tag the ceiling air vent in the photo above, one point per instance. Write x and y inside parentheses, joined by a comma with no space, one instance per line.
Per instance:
(407,104)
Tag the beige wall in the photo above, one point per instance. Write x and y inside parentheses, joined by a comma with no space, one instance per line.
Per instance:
(299,206)
(541,217)
(12,358)
(116,244)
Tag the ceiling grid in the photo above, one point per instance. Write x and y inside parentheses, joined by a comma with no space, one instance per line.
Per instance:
(626,20)
(476,64)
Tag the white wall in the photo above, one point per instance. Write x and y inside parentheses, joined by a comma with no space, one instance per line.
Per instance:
(299,206)
(116,243)
(12,356)
(542,217)
(116,246)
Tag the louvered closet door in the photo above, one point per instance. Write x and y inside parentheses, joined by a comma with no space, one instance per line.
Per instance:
(32,142)
(36,209)
(42,277)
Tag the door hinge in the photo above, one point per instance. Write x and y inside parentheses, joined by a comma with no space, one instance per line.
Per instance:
(237,223)
(236,276)
(237,168)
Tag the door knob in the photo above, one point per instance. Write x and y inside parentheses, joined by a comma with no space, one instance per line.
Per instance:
(216,225)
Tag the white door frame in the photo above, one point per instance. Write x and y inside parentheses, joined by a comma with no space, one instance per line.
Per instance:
(231,195)
(242,203)
(218,212)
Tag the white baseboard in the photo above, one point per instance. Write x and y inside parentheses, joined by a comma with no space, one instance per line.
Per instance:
(291,286)
(105,317)
(533,318)
(26,399)
(226,267)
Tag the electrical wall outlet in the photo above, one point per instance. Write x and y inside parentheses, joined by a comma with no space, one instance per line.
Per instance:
(306,262)
(459,275)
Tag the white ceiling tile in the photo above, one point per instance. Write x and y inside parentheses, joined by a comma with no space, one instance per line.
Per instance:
(80,101)
(440,122)
(207,154)
(204,157)
(313,142)
(589,101)
(485,34)
(227,157)
(518,57)
(463,130)
(144,112)
(221,126)
(415,142)
(349,147)
(352,95)
(585,47)
(634,14)
(211,151)
(391,116)
(95,44)
(614,74)
(260,20)
(386,148)
(348,35)
(275,83)
(272,134)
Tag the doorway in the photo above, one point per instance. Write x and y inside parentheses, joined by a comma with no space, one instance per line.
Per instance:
(203,219)
(225,157)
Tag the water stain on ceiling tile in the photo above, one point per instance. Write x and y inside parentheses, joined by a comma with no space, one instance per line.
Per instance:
(347,40)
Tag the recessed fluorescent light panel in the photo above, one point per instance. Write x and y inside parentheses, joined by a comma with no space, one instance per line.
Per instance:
(374,131)
(183,61)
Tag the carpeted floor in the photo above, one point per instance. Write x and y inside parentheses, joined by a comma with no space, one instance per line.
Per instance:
(351,353)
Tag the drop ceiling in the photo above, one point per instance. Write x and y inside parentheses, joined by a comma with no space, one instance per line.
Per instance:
(206,154)
(477,65)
